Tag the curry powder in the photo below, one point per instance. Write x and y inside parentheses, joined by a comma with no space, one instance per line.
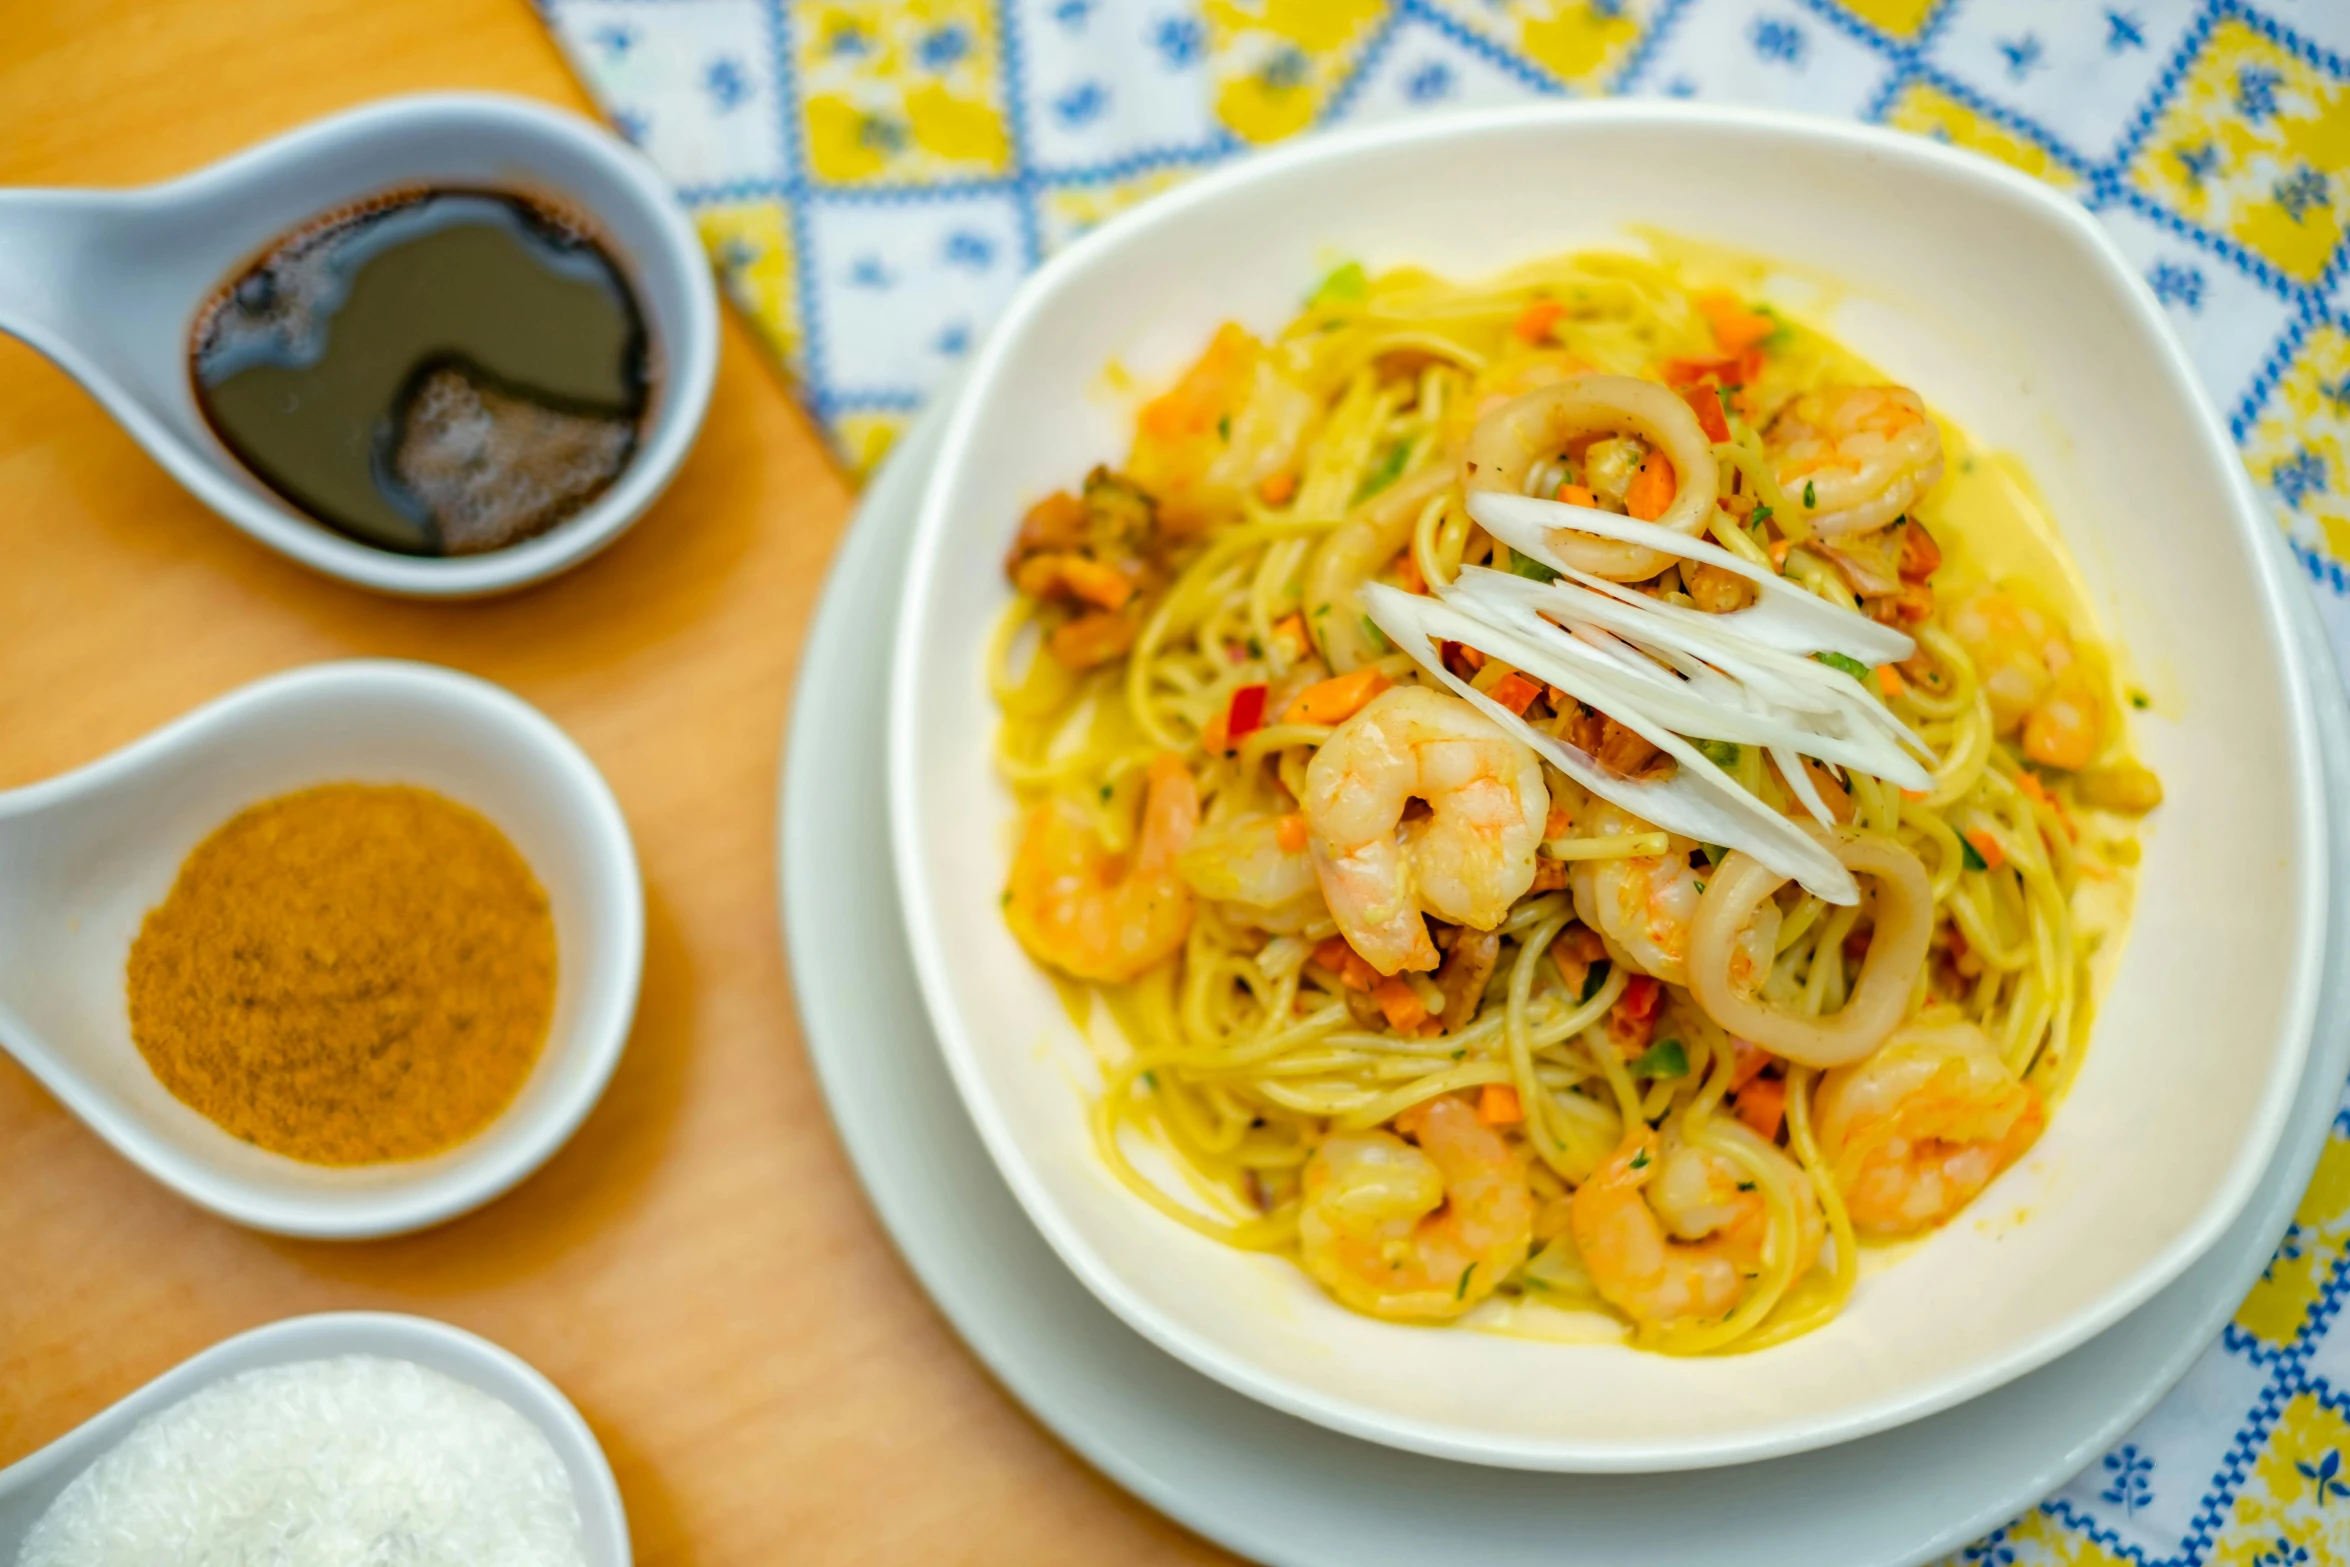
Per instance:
(347,975)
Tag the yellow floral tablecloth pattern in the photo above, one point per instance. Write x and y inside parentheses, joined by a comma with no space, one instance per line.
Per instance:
(874,177)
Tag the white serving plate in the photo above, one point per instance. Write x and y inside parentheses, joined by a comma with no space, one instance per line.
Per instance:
(2013,314)
(1285,1492)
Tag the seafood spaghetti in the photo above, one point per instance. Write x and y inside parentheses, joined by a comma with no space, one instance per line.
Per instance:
(1571,791)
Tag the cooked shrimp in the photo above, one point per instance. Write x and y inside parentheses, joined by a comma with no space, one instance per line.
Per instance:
(1416,1232)
(1465,862)
(1256,865)
(1644,907)
(2030,674)
(1099,915)
(1915,1131)
(1235,419)
(1510,442)
(1852,458)
(1673,1233)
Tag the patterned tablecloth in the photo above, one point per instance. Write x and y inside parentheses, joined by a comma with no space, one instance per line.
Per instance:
(873,177)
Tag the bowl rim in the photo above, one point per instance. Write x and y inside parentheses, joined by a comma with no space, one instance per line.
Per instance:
(1767,1440)
(470,1175)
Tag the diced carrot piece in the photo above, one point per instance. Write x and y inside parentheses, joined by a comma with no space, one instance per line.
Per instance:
(1706,403)
(1736,327)
(1212,738)
(1402,1004)
(1889,680)
(1640,997)
(1575,495)
(1290,832)
(1094,582)
(1762,1105)
(1291,629)
(1779,549)
(2033,789)
(1276,489)
(1354,971)
(1535,321)
(1748,1064)
(1499,1105)
(1466,656)
(1652,488)
(1516,691)
(1988,847)
(1407,574)
(1913,794)
(1337,699)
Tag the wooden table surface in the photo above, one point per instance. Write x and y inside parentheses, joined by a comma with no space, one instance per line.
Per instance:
(698,1268)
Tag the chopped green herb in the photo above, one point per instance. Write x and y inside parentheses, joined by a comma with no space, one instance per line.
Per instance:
(1722,753)
(1005,901)
(1746,1186)
(1665,1058)
(1378,637)
(1594,977)
(1461,1290)
(1722,395)
(1714,853)
(1851,666)
(1760,515)
(1256,649)
(1780,330)
(1150,1080)
(1811,496)
(1640,1160)
(1701,889)
(1384,472)
(1974,856)
(1105,794)
(1224,428)
(1528,566)
(2141,701)
(1457,1054)
(1321,609)
(1343,283)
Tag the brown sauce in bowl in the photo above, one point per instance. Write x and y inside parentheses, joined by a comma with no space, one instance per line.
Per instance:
(438,372)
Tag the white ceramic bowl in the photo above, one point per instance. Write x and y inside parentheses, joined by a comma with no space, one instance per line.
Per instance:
(84,856)
(108,283)
(30,1486)
(2007,307)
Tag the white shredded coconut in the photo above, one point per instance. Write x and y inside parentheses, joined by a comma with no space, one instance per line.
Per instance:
(355,1461)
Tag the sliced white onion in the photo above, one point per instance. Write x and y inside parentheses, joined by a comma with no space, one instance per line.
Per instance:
(1783,615)
(1690,683)
(1697,800)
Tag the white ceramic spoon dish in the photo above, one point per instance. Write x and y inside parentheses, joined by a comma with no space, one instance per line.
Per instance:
(85,855)
(28,1487)
(2012,312)
(1286,1492)
(107,283)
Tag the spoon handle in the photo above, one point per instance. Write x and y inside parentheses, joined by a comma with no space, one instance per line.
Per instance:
(48,242)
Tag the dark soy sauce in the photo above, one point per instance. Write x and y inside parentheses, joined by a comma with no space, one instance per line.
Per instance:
(440,372)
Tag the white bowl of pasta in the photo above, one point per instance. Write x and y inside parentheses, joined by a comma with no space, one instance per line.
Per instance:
(1472,934)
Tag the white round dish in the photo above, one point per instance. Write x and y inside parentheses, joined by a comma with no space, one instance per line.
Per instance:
(85,855)
(107,283)
(2015,316)
(28,1487)
(1285,1492)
